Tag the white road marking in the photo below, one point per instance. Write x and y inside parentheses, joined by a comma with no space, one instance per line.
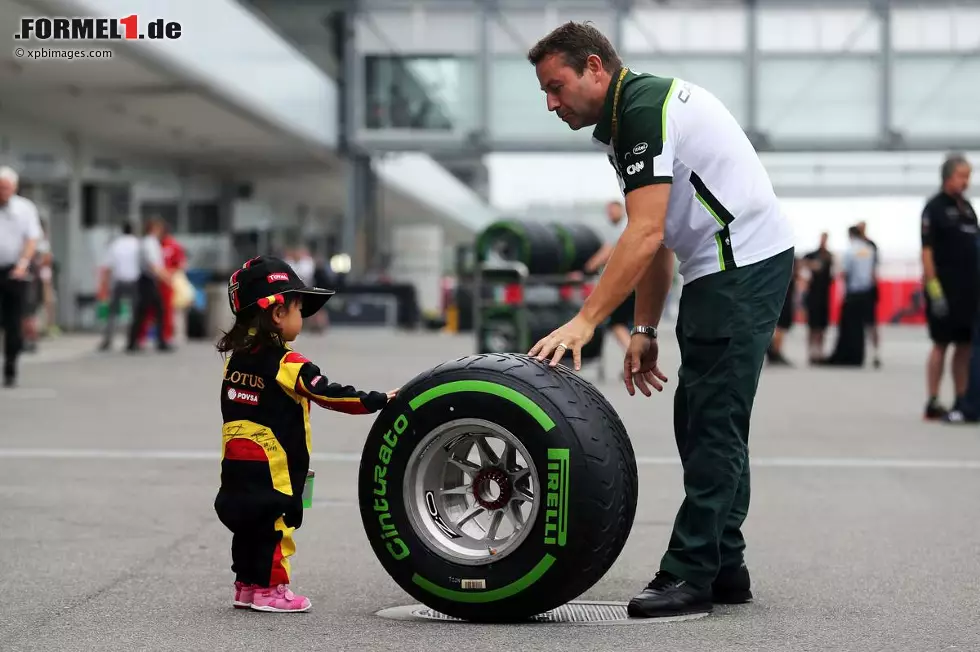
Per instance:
(353,458)
(27,394)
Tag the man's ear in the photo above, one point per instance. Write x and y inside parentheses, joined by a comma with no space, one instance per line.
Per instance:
(594,64)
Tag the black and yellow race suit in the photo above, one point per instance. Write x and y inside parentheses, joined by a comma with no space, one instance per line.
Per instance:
(265,406)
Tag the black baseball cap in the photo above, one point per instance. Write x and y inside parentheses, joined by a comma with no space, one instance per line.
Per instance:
(264,281)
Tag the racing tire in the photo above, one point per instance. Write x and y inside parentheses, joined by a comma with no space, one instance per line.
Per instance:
(495,488)
(579,243)
(534,244)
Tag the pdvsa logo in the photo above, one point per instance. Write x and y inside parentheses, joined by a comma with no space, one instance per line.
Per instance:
(242,396)
(45,28)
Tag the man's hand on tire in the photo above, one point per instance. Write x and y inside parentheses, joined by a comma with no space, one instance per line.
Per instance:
(640,366)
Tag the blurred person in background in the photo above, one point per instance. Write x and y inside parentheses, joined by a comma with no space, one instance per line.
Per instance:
(152,273)
(46,274)
(622,317)
(32,303)
(39,294)
(323,277)
(818,268)
(785,321)
(304,264)
(174,261)
(858,279)
(968,410)
(20,231)
(871,315)
(951,280)
(119,276)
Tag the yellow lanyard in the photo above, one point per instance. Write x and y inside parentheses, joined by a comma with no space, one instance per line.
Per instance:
(615,106)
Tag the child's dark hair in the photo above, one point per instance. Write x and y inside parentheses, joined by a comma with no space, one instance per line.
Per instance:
(254,327)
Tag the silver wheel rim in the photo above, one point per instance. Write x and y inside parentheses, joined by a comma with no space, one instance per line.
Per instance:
(470,491)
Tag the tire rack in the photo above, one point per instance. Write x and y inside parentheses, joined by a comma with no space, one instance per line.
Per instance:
(498,276)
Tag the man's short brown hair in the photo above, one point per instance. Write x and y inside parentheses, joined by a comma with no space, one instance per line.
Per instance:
(576,42)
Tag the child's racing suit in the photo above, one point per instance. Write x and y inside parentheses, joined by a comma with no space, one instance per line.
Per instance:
(265,406)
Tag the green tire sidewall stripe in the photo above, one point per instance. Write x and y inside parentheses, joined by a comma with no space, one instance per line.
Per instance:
(539,415)
(485,387)
(483,241)
(568,246)
(512,589)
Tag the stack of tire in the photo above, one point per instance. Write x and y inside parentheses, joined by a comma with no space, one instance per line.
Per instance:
(543,248)
(547,250)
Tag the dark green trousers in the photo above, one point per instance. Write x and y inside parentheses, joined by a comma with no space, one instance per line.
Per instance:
(724,326)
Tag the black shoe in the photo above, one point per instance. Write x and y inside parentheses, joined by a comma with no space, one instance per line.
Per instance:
(668,595)
(732,586)
(934,411)
(9,381)
(957,415)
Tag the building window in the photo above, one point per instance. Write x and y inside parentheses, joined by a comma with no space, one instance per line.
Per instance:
(203,218)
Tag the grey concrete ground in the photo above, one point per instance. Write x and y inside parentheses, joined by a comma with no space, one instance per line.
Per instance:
(863,532)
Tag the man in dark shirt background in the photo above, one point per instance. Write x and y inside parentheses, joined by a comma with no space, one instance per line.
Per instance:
(952,280)
(820,267)
(871,314)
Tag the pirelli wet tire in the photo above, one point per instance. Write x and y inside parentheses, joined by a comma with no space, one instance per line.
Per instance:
(579,243)
(495,488)
(534,244)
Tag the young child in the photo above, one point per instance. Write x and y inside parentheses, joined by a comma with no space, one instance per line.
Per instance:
(265,406)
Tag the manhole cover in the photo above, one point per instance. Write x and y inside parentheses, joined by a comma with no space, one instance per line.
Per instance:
(582,612)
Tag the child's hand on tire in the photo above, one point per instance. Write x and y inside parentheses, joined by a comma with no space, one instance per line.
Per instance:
(392,394)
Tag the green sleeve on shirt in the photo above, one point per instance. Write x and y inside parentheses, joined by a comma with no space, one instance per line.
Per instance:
(644,153)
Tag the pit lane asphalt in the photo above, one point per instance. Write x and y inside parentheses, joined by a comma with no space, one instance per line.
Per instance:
(863,532)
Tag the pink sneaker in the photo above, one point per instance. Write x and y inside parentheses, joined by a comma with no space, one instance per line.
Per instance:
(243,595)
(279,599)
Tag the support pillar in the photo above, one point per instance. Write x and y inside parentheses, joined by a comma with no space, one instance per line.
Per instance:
(67,285)
(374,234)
(356,215)
(359,187)
(621,13)
(752,126)
(183,200)
(885,66)
(484,73)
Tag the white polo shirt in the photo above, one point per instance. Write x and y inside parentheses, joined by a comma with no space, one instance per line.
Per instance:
(19,222)
(123,259)
(722,212)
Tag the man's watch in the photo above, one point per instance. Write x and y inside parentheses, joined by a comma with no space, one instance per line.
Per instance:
(649,331)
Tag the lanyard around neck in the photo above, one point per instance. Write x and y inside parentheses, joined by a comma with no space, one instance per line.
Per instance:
(615,106)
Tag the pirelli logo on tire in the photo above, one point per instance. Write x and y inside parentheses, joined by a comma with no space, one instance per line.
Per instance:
(556,498)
